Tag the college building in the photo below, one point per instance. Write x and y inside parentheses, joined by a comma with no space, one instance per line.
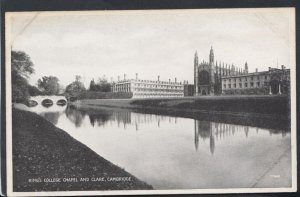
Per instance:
(213,78)
(141,88)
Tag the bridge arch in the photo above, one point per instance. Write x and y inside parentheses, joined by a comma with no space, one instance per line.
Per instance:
(38,100)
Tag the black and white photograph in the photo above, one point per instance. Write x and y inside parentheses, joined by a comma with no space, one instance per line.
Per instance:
(151,101)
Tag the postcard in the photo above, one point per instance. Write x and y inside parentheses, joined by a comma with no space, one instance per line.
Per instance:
(151,102)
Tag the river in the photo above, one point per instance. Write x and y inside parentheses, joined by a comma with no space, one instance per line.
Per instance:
(177,153)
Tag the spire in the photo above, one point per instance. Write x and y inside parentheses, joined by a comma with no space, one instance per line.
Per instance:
(211,55)
(196,59)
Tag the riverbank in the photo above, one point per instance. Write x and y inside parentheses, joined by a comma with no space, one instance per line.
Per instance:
(259,104)
(262,111)
(46,158)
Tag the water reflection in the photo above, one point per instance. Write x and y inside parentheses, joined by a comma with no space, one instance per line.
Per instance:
(213,131)
(216,131)
(176,152)
(101,117)
(75,116)
(51,116)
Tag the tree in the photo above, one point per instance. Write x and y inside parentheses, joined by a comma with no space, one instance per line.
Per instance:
(34,91)
(21,64)
(92,85)
(75,88)
(49,85)
(102,85)
(19,89)
(21,69)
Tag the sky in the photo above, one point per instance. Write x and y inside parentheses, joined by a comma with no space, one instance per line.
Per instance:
(151,43)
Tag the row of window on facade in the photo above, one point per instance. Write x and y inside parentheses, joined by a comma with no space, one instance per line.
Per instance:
(240,85)
(158,94)
(146,90)
(246,78)
(142,95)
(152,86)
(155,90)
(161,82)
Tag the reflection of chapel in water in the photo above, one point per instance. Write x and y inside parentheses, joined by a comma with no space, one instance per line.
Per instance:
(215,131)
(204,129)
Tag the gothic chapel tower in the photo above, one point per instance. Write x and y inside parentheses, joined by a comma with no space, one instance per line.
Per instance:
(205,75)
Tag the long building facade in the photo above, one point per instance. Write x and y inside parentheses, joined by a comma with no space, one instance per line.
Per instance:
(213,78)
(149,88)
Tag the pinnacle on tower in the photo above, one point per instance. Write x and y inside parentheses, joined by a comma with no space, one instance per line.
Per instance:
(246,67)
(196,59)
(211,55)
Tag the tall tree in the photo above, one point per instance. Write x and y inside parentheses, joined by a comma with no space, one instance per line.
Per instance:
(21,69)
(75,88)
(21,64)
(103,85)
(49,85)
(92,85)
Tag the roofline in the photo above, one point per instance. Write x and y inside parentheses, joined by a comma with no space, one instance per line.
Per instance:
(253,73)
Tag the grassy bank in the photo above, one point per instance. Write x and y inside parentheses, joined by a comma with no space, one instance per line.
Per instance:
(273,105)
(268,105)
(46,158)
(263,111)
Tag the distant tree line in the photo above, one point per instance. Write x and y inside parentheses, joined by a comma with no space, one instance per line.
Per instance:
(76,89)
(22,67)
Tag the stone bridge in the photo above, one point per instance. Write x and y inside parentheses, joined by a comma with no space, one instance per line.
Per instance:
(54,99)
